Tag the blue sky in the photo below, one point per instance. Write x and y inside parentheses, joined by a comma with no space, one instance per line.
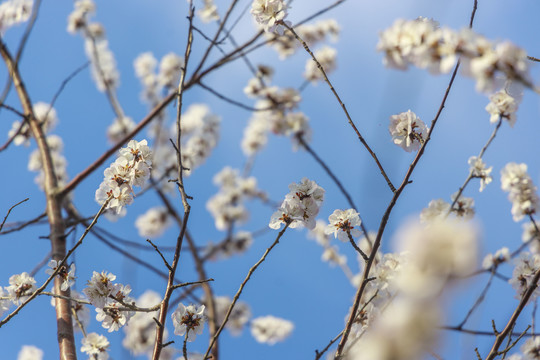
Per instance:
(293,283)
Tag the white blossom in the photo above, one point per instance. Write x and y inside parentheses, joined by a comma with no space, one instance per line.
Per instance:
(479,169)
(95,346)
(20,287)
(13,12)
(188,320)
(344,222)
(29,352)
(500,256)
(327,58)
(268,13)
(502,105)
(463,207)
(526,267)
(141,329)
(408,131)
(270,329)
(153,223)
(521,190)
(100,287)
(239,317)
(437,210)
(68,277)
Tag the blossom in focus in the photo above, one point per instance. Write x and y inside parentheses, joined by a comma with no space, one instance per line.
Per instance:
(188,320)
(100,287)
(20,287)
(342,223)
(300,207)
(408,131)
(270,329)
(68,277)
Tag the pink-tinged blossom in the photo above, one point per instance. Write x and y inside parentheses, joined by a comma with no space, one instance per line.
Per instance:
(521,190)
(95,346)
(188,320)
(408,131)
(270,329)
(343,223)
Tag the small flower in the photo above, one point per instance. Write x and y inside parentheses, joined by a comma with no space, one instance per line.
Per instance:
(526,267)
(95,346)
(464,207)
(408,131)
(99,288)
(68,277)
(189,321)
(502,105)
(111,317)
(500,256)
(478,169)
(343,223)
(521,190)
(436,210)
(270,329)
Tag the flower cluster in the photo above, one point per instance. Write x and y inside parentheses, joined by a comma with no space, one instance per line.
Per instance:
(478,169)
(269,13)
(300,207)
(286,44)
(531,236)
(153,223)
(327,58)
(154,82)
(500,256)
(344,223)
(275,113)
(439,209)
(103,294)
(13,12)
(408,131)
(227,206)
(96,46)
(270,329)
(189,321)
(131,168)
(522,191)
(423,44)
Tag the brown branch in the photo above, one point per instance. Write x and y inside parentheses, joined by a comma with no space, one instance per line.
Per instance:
(349,119)
(239,292)
(160,327)
(66,339)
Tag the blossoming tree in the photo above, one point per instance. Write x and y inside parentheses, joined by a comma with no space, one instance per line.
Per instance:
(168,217)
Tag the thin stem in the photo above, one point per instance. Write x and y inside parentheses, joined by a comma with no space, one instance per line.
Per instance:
(349,119)
(239,292)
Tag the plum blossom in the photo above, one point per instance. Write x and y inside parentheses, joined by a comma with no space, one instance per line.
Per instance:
(188,320)
(500,256)
(526,267)
(502,105)
(29,352)
(13,12)
(300,207)
(478,169)
(521,190)
(327,58)
(268,13)
(408,131)
(20,287)
(343,223)
(67,276)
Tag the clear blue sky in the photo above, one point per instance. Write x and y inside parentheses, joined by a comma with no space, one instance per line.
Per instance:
(293,283)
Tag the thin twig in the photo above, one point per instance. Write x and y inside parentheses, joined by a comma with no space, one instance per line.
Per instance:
(160,254)
(9,212)
(239,292)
